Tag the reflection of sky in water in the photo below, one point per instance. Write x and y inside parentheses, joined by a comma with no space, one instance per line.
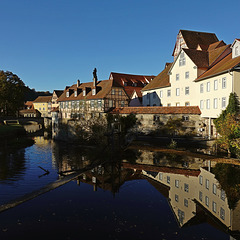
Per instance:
(28,179)
(138,211)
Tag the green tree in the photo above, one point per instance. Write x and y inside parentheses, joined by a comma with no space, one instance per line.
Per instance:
(228,126)
(11,93)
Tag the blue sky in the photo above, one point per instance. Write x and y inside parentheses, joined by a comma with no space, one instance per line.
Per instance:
(51,43)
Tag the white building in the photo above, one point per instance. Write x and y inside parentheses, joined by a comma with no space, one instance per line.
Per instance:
(204,73)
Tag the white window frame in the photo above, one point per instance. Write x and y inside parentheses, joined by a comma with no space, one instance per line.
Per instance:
(161,93)
(208,86)
(176,183)
(215,103)
(169,92)
(177,91)
(224,83)
(201,180)
(207,184)
(215,85)
(187,75)
(208,104)
(201,104)
(214,206)
(223,102)
(187,91)
(201,88)
(177,77)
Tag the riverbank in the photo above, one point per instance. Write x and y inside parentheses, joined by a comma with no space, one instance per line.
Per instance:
(8,131)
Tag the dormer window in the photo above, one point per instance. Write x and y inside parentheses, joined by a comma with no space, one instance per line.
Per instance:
(93,91)
(236,51)
(125,83)
(84,92)
(67,94)
(134,84)
(75,93)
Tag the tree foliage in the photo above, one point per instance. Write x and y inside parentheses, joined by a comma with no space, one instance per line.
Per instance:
(228,126)
(11,93)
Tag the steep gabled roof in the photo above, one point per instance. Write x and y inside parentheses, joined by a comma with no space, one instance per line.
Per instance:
(44,99)
(200,58)
(193,38)
(215,54)
(58,92)
(157,110)
(161,80)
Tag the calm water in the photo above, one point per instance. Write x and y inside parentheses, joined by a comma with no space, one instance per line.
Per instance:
(137,194)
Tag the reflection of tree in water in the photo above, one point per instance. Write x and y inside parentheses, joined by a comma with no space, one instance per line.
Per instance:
(229,179)
(12,165)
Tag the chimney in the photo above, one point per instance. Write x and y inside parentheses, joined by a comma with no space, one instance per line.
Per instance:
(78,83)
(94,77)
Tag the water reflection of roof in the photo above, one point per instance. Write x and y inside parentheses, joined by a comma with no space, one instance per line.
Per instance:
(182,171)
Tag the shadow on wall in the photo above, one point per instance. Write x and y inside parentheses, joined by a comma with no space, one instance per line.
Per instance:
(151,99)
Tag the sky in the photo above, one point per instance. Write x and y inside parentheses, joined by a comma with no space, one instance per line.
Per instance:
(51,44)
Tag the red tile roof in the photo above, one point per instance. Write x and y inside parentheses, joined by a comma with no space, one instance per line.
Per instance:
(158,110)
(181,171)
(103,88)
(223,66)
(129,80)
(161,80)
(200,58)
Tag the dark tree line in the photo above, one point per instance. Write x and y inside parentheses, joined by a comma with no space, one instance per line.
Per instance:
(13,94)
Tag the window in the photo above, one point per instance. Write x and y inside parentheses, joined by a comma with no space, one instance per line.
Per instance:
(186,90)
(110,103)
(224,83)
(39,108)
(113,91)
(201,88)
(169,104)
(236,51)
(207,201)
(200,196)
(160,176)
(187,104)
(201,104)
(161,94)
(120,92)
(177,104)
(222,213)
(208,86)
(168,179)
(181,216)
(75,93)
(43,109)
(177,77)
(169,93)
(67,94)
(200,179)
(186,187)
(208,103)
(93,91)
(99,103)
(182,60)
(215,84)
(214,207)
(223,195)
(92,103)
(186,75)
(84,92)
(223,102)
(185,202)
(177,183)
(122,103)
(176,198)
(177,91)
(185,118)
(215,103)
(207,184)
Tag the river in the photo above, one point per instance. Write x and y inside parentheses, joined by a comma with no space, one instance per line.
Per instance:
(134,194)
